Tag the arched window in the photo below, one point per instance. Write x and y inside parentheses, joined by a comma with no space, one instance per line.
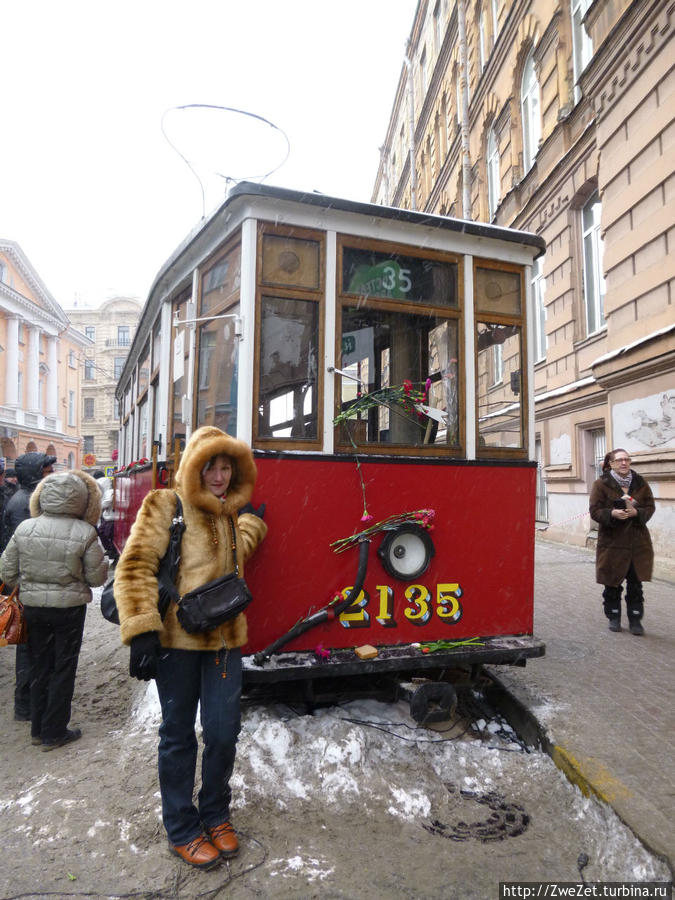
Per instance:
(529,110)
(493,178)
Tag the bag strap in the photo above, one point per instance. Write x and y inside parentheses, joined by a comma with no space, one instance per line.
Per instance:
(175,540)
(234,546)
(10,597)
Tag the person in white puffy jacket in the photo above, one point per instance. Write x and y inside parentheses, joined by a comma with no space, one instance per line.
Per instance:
(55,558)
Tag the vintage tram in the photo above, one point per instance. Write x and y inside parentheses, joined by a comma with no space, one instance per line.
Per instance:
(377,361)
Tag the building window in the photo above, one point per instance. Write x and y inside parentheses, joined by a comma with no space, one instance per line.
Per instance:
(123,338)
(438,35)
(89,370)
(497,365)
(539,316)
(495,21)
(71,359)
(481,39)
(118,366)
(598,449)
(594,281)
(88,410)
(423,74)
(493,173)
(71,408)
(529,109)
(88,443)
(90,332)
(582,45)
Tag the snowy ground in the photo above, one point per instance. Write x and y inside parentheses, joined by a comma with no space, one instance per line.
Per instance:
(353,801)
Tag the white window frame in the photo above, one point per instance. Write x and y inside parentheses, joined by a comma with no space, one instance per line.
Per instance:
(530,114)
(497,372)
(481,39)
(594,280)
(582,45)
(539,311)
(493,172)
(71,409)
(495,20)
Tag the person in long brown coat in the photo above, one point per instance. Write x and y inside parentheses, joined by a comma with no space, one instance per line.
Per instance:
(622,503)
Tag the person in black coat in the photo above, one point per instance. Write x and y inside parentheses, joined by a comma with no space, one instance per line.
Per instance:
(30,469)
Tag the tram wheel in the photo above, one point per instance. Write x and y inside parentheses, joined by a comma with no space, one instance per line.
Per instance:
(433,701)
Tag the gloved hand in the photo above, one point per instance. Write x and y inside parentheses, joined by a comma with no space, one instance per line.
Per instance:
(144,650)
(251,510)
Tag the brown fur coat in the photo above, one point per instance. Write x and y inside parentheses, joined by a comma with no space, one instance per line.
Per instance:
(622,542)
(206,551)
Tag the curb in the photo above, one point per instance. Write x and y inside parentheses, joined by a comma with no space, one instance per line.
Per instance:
(591,777)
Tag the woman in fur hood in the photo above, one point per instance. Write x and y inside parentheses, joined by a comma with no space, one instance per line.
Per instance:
(215,481)
(56,559)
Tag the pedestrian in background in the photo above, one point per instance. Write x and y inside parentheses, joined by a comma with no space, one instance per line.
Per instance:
(30,470)
(622,503)
(215,481)
(56,559)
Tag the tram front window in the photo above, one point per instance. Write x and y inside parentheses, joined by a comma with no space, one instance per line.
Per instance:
(288,369)
(381,352)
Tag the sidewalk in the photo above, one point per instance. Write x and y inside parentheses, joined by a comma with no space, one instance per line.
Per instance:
(606,701)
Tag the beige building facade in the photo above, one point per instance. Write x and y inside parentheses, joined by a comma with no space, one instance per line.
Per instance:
(559,119)
(110,329)
(40,366)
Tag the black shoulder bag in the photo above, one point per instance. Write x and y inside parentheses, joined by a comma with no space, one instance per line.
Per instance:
(166,574)
(216,601)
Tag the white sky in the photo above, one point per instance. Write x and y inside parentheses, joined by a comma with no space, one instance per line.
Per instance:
(90,188)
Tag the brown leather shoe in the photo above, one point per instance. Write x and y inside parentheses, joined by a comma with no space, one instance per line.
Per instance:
(224,838)
(199,853)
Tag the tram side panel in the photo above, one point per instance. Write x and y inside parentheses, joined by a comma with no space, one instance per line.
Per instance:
(480,582)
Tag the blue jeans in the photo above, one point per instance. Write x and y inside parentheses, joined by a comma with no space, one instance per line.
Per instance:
(186,679)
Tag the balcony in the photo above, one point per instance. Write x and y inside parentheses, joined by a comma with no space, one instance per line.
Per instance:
(118,343)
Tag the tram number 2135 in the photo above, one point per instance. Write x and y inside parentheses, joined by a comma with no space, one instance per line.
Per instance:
(418,608)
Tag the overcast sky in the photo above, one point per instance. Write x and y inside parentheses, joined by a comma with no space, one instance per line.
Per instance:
(91,189)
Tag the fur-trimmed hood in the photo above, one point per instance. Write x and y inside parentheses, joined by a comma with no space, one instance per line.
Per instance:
(205,443)
(72,493)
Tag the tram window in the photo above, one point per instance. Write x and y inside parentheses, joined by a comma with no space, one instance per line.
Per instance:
(382,349)
(144,370)
(221,281)
(499,374)
(395,276)
(180,353)
(498,291)
(290,261)
(288,369)
(217,375)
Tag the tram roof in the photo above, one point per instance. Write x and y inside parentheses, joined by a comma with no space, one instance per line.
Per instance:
(248,189)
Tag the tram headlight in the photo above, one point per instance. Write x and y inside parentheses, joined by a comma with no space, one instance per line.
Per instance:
(406,552)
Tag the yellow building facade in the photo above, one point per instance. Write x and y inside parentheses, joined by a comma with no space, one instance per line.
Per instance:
(559,119)
(41,362)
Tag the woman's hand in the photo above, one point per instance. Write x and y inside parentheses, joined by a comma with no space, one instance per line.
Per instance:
(623,514)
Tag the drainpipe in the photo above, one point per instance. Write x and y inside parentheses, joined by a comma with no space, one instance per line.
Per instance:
(464,124)
(411,123)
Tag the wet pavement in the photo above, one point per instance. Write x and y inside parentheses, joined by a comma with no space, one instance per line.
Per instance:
(605,701)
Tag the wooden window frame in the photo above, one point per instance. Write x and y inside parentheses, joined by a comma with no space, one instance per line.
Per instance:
(315,295)
(378,303)
(503,319)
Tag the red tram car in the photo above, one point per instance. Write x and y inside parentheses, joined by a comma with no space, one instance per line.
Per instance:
(377,361)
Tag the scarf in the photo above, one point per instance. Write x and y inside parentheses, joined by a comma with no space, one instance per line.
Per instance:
(621,481)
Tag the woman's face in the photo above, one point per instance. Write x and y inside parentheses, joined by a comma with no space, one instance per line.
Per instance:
(217,478)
